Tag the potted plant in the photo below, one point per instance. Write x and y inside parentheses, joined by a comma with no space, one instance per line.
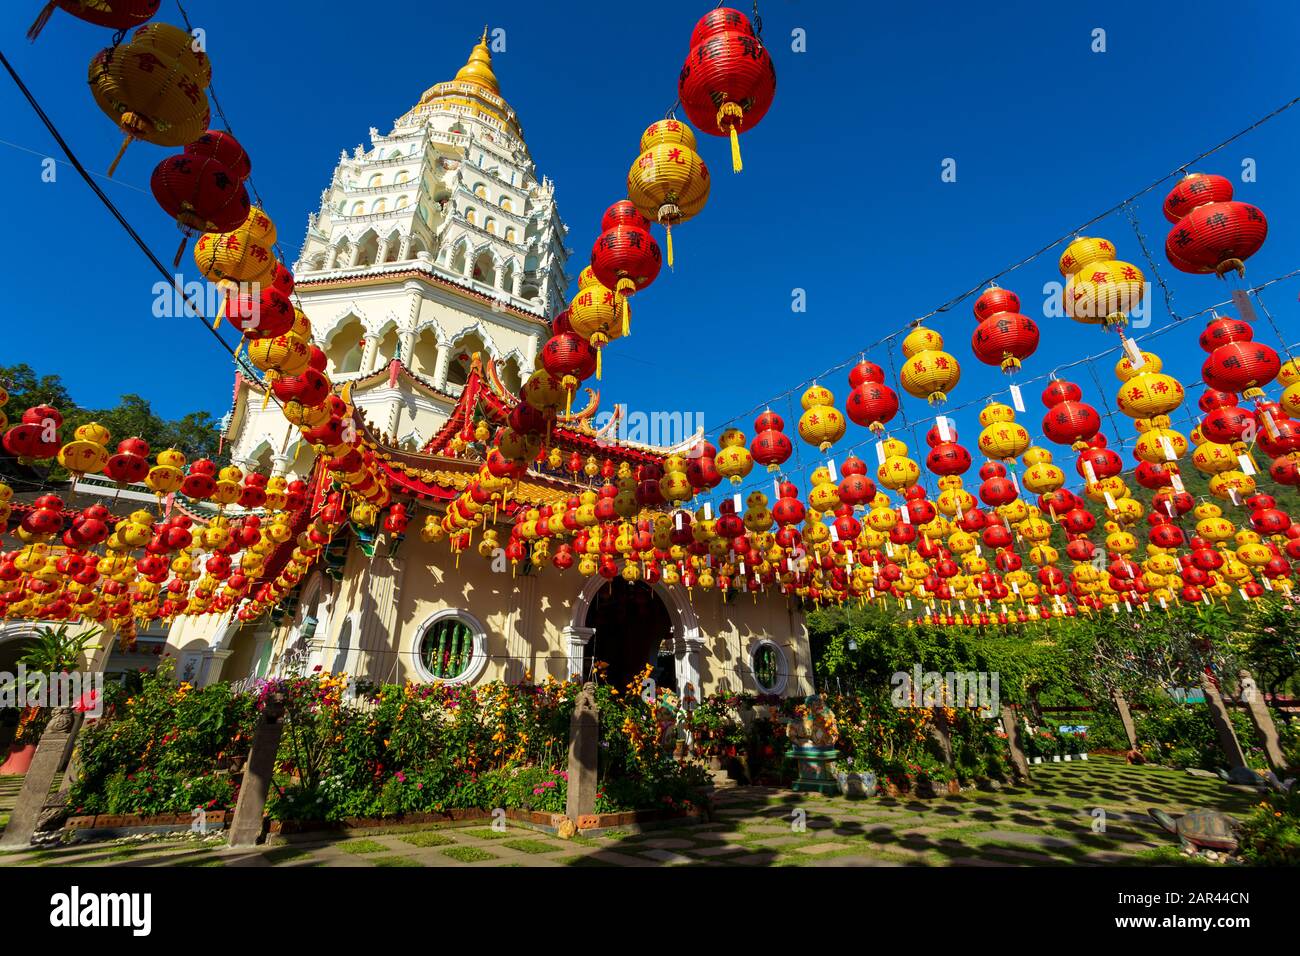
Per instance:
(856,778)
(54,652)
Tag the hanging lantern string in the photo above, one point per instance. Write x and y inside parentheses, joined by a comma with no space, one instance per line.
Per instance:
(1131,212)
(108,203)
(1288,349)
(950,410)
(192,310)
(1068,236)
(252,187)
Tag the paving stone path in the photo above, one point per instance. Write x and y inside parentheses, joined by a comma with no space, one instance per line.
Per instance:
(1048,822)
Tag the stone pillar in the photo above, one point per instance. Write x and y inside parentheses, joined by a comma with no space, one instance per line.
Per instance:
(280,464)
(52,754)
(210,670)
(517,286)
(1125,718)
(1011,724)
(584,747)
(939,729)
(404,249)
(1219,716)
(688,663)
(577,638)
(369,353)
(441,365)
(1257,707)
(246,827)
(331,258)
(381,253)
(406,343)
(354,255)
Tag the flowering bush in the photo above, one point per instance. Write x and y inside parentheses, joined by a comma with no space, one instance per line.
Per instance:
(1271,834)
(896,743)
(1182,735)
(152,741)
(437,747)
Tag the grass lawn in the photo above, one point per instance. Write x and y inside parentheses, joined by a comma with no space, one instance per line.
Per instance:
(468,854)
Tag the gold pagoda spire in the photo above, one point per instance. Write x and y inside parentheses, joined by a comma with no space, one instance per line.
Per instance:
(478,69)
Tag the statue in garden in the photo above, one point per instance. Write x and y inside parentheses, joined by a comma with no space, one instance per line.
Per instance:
(813,725)
(666,718)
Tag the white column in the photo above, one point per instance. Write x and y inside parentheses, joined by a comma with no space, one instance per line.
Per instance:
(441,366)
(381,256)
(280,464)
(354,256)
(407,343)
(577,639)
(210,668)
(689,658)
(404,249)
(368,354)
(332,258)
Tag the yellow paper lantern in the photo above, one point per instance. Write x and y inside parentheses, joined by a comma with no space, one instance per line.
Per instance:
(153,86)
(928,372)
(668,183)
(821,423)
(1099,289)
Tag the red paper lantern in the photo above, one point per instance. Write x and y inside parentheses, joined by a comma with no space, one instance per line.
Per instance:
(728,81)
(701,470)
(625,257)
(1069,420)
(1003,337)
(117,15)
(871,403)
(131,463)
(770,446)
(569,358)
(1212,232)
(201,194)
(1238,364)
(309,389)
(262,315)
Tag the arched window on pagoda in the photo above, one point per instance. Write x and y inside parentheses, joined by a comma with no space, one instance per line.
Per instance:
(508,371)
(346,347)
(424,360)
(485,268)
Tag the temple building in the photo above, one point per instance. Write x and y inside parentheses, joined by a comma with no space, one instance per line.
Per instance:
(430,275)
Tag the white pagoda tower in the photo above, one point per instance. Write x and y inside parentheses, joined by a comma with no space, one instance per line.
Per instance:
(436,242)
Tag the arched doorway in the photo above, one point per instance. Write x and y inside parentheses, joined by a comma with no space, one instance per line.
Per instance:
(631,628)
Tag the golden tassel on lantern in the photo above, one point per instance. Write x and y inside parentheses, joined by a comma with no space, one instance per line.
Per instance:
(221,305)
(733,112)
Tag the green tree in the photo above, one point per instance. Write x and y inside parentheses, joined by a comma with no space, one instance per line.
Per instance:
(196,433)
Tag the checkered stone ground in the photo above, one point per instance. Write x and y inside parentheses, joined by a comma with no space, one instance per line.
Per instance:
(1050,821)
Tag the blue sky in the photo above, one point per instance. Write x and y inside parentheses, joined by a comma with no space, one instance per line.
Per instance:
(841,194)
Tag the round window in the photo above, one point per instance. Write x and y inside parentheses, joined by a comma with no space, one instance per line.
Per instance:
(450,649)
(768,663)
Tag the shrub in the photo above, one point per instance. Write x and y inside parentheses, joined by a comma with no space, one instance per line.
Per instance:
(1271,834)
(151,742)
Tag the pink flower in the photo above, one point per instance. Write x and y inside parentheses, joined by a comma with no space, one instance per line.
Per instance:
(401,777)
